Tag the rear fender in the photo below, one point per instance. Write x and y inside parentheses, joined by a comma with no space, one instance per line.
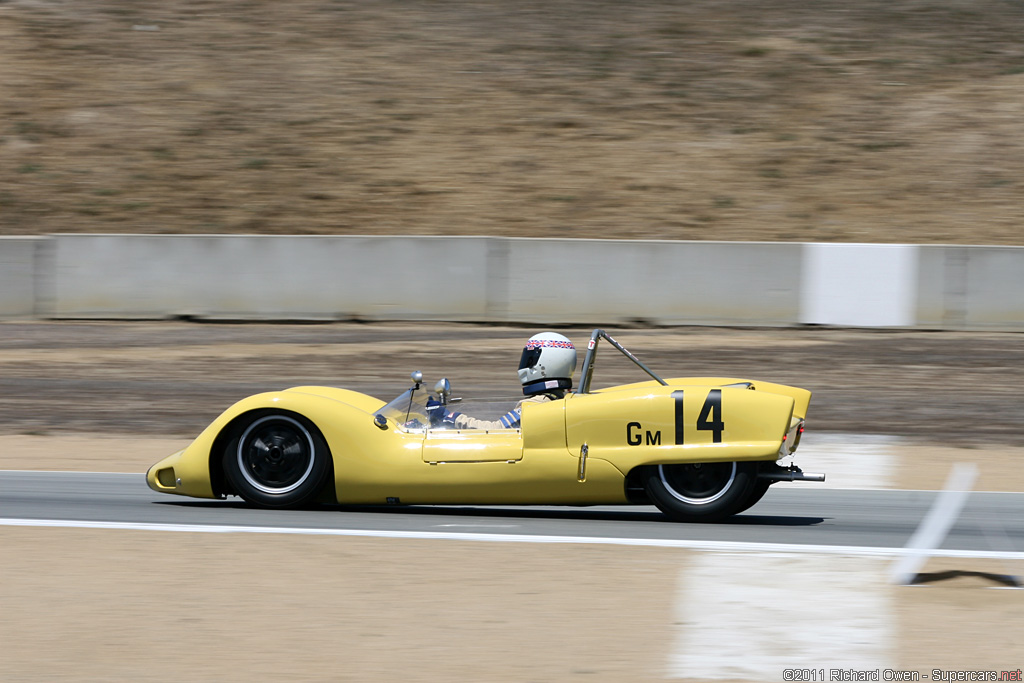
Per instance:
(801,397)
(678,424)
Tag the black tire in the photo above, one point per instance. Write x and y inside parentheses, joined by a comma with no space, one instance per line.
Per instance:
(277,460)
(756,494)
(701,492)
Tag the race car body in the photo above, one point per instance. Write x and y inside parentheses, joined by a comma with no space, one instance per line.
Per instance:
(699,448)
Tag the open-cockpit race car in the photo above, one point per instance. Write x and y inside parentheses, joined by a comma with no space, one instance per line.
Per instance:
(699,448)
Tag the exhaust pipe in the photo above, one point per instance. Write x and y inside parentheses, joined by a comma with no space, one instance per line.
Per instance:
(791,473)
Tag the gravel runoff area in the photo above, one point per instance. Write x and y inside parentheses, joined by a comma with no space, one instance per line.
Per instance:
(99,605)
(116,396)
(172,378)
(165,379)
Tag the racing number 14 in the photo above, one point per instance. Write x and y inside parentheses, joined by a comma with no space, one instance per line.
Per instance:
(712,409)
(709,420)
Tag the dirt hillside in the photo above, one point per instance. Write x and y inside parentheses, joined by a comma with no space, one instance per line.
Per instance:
(713,119)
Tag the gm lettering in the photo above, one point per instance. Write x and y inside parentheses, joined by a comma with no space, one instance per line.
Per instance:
(633,438)
(709,420)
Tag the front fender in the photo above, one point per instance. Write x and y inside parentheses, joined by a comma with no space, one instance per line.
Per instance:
(188,472)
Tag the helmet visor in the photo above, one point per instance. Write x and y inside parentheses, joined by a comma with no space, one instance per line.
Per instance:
(530,358)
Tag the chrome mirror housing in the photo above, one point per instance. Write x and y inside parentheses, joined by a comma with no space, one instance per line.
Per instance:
(443,389)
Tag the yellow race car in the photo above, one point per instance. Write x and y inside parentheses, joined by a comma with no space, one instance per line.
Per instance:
(701,449)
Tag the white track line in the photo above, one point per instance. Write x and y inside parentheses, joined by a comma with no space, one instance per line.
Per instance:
(734,546)
(119,474)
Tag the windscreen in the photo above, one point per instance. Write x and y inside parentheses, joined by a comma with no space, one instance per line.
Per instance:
(409,410)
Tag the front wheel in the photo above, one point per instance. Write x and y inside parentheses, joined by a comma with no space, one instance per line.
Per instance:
(277,460)
(701,492)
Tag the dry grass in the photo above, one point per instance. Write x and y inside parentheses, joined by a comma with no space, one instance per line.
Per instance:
(874,121)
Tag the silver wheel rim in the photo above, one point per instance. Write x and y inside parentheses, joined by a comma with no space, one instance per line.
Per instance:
(244,462)
(704,500)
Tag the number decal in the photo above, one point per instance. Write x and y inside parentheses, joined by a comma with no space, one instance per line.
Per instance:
(712,408)
(678,396)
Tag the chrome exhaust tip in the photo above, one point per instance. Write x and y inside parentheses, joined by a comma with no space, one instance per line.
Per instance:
(791,473)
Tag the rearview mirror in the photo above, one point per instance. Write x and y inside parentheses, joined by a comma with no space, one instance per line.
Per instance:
(443,389)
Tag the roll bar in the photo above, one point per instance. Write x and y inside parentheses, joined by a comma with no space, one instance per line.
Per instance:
(588,361)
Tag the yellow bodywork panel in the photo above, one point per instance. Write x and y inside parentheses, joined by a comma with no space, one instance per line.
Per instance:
(451,467)
(691,420)
(346,396)
(182,473)
(190,468)
(472,445)
(655,424)
(801,397)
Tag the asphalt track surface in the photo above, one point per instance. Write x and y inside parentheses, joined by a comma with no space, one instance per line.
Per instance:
(992,524)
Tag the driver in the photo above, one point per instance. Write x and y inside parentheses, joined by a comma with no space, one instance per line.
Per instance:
(545,371)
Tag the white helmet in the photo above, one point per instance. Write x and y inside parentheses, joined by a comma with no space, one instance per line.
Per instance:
(548,361)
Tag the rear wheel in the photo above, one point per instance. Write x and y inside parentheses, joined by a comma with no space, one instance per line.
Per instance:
(701,492)
(277,460)
(760,488)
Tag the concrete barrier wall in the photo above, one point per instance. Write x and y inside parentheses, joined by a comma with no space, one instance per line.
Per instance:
(971,288)
(600,282)
(585,281)
(20,261)
(442,278)
(309,277)
(861,285)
